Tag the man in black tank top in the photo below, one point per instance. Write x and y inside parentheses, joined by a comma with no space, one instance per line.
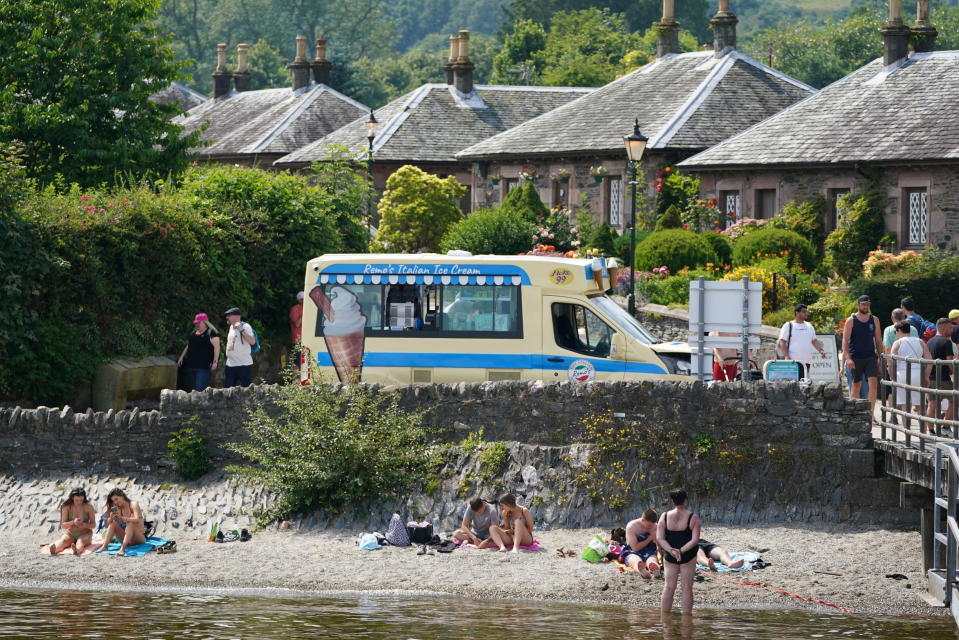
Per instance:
(861,344)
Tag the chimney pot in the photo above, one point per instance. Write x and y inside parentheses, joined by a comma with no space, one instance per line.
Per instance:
(241,77)
(451,59)
(464,46)
(724,29)
(923,33)
(667,31)
(300,67)
(895,35)
(463,67)
(221,77)
(669,10)
(320,65)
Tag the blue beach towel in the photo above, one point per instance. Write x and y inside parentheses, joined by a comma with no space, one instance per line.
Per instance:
(749,556)
(136,550)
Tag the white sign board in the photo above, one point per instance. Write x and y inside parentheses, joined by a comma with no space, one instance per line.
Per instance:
(825,369)
(721,306)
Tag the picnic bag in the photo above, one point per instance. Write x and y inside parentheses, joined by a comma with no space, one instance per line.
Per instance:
(595,550)
(396,533)
(419,532)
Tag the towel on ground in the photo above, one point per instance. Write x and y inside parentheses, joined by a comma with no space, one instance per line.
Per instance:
(749,558)
(136,550)
(533,546)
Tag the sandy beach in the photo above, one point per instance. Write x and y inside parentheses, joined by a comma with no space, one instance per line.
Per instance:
(845,565)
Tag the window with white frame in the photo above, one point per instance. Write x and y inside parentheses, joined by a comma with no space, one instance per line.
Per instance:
(614,201)
(917,201)
(730,202)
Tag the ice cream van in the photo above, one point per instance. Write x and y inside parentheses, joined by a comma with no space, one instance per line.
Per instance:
(424,318)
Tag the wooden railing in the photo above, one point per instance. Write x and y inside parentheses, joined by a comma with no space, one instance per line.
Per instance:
(926,428)
(942,576)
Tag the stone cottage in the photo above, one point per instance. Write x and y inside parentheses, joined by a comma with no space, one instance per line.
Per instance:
(429,125)
(894,122)
(684,103)
(255,128)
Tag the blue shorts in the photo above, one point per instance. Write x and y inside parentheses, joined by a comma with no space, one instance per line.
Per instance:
(482,535)
(644,554)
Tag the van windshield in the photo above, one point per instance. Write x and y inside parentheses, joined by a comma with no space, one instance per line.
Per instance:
(625,322)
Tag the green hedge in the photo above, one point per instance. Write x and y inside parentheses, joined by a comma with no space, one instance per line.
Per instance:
(719,243)
(774,242)
(121,272)
(493,231)
(935,293)
(674,248)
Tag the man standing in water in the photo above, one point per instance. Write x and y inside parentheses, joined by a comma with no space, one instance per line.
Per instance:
(861,344)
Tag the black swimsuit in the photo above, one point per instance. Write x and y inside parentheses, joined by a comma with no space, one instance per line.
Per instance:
(677,539)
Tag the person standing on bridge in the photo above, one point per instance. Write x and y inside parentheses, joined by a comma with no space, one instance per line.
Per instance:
(942,348)
(861,344)
(909,346)
(797,339)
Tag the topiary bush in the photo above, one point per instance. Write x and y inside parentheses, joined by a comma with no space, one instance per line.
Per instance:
(719,243)
(861,227)
(674,248)
(671,219)
(524,201)
(798,251)
(493,231)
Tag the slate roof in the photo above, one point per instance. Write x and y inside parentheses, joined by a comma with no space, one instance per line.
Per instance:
(433,122)
(683,101)
(184,97)
(907,112)
(270,120)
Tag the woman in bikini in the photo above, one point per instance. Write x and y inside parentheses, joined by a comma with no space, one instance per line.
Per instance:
(124,522)
(517,527)
(678,535)
(76,519)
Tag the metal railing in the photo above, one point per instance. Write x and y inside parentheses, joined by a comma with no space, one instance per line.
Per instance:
(942,579)
(924,428)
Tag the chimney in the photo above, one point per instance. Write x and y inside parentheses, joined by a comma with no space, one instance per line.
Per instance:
(724,30)
(667,31)
(241,77)
(463,68)
(451,60)
(320,65)
(300,66)
(895,35)
(221,77)
(923,32)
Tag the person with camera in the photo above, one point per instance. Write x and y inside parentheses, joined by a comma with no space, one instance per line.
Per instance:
(124,522)
(239,356)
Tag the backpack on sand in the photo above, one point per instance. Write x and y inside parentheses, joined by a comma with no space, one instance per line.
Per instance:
(396,534)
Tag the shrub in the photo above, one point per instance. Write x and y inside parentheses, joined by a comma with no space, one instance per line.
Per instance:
(669,220)
(704,215)
(832,308)
(742,228)
(329,448)
(602,237)
(880,261)
(492,458)
(494,231)
(675,248)
(932,279)
(416,210)
(807,218)
(525,202)
(719,243)
(558,231)
(667,290)
(621,244)
(188,450)
(860,228)
(773,298)
(675,188)
(775,242)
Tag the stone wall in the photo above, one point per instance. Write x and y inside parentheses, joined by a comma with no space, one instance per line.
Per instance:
(748,453)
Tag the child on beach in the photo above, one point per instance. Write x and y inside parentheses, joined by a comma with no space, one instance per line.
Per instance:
(678,535)
(517,527)
(124,522)
(76,518)
(639,553)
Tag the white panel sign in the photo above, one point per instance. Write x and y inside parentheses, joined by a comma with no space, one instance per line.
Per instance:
(825,369)
(723,306)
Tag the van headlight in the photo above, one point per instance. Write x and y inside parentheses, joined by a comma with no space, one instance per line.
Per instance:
(676,365)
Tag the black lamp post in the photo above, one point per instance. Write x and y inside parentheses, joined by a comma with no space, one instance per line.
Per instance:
(635,148)
(370,137)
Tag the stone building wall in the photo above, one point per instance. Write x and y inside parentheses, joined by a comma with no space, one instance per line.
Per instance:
(748,453)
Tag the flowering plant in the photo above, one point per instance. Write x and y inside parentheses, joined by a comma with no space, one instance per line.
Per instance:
(743,227)
(528,174)
(880,261)
(703,215)
(598,171)
(561,174)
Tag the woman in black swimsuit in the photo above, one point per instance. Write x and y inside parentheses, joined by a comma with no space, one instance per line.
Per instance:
(678,535)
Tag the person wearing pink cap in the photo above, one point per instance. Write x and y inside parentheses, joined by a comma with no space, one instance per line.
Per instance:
(201,353)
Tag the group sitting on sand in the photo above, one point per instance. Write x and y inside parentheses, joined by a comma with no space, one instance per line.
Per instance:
(515,528)
(122,518)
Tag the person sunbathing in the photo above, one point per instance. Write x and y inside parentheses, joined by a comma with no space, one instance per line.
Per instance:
(517,527)
(124,522)
(76,519)
(640,550)
(709,553)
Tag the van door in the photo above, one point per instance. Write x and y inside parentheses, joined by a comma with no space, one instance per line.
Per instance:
(579,345)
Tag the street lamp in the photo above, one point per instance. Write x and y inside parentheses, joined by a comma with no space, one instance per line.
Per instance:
(370,137)
(635,148)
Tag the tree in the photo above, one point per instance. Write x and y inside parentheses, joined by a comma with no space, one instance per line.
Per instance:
(267,67)
(75,88)
(646,52)
(416,210)
(860,227)
(518,61)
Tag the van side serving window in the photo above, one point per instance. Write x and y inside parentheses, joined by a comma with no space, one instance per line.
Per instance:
(435,310)
(578,329)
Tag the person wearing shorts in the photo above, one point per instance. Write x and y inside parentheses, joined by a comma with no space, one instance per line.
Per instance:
(709,553)
(640,550)
(861,344)
(942,348)
(477,519)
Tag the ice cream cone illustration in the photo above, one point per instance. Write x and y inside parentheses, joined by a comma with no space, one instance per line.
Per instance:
(343,331)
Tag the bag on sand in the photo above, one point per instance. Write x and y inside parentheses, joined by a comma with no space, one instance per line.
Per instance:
(419,532)
(595,550)
(396,533)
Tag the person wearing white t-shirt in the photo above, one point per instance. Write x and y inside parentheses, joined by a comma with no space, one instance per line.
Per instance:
(797,339)
(239,345)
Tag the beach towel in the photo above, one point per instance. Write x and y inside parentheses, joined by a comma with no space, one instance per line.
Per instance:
(136,550)
(750,557)
(534,546)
